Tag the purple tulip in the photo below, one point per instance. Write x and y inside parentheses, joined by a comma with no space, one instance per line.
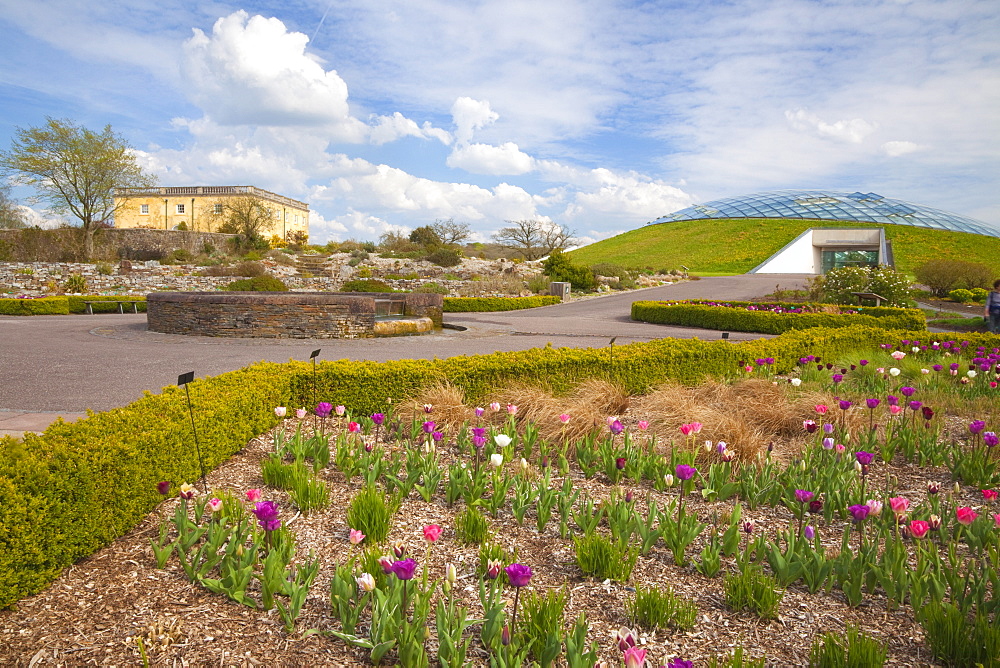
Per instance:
(837,377)
(892,400)
(478,442)
(404,568)
(828,443)
(163,487)
(872,403)
(810,532)
(620,463)
(479,431)
(864,458)
(678,662)
(907,391)
(927,412)
(844,404)
(267,515)
(437,436)
(863,362)
(616,427)
(323,409)
(518,574)
(480,411)
(378,418)
(859,512)
(937,367)
(915,405)
(827,428)
(803,496)
(429,427)
(685,472)
(976,426)
(990,439)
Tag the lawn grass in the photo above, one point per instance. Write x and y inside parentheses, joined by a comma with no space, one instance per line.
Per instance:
(737,245)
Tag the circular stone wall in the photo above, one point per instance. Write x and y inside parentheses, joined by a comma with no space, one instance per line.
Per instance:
(303,315)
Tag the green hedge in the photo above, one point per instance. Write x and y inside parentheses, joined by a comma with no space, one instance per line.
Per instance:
(76,304)
(487,304)
(77,487)
(739,319)
(43,306)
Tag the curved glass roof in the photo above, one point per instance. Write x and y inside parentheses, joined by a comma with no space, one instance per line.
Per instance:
(827,205)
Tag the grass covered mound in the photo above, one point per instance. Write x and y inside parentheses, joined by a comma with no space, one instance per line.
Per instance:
(737,245)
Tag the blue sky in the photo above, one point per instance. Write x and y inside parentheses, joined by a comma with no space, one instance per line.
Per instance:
(594,114)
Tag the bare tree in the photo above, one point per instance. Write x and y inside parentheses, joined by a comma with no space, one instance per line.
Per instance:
(76,170)
(533,238)
(246,215)
(11,215)
(450,232)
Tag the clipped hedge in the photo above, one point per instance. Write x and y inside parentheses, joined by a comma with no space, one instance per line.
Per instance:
(42,306)
(487,304)
(738,318)
(78,486)
(76,304)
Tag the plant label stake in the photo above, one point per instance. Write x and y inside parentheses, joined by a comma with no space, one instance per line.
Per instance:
(313,356)
(184,379)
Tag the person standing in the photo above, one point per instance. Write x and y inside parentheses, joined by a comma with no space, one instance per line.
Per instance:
(992,312)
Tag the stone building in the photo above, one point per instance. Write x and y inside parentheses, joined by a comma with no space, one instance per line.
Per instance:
(203,209)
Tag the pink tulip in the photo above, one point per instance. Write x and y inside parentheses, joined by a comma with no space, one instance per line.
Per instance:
(635,657)
(495,407)
(340,410)
(919,528)
(511,409)
(696,427)
(989,494)
(300,413)
(280,411)
(253,495)
(215,505)
(996,519)
(432,532)
(965,515)
(821,409)
(643,425)
(564,418)
(353,427)
(686,429)
(899,505)
(356,537)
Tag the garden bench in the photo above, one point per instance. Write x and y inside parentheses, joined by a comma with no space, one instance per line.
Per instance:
(869,295)
(88,305)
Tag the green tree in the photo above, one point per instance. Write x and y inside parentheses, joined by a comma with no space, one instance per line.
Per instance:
(559,268)
(11,216)
(425,236)
(75,170)
(534,238)
(248,217)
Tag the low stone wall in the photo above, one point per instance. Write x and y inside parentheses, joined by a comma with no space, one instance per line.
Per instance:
(279,314)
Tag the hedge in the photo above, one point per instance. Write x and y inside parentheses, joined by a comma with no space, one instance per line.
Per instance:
(42,306)
(77,487)
(739,319)
(76,304)
(66,305)
(487,304)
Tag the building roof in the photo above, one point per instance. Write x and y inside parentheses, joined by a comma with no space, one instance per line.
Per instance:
(210,191)
(833,206)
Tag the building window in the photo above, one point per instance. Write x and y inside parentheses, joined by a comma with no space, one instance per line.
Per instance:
(849,258)
(217,209)
(144,209)
(180,208)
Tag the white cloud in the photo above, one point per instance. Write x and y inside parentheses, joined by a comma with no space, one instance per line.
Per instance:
(45,219)
(486,159)
(470,115)
(854,130)
(385,129)
(253,71)
(895,149)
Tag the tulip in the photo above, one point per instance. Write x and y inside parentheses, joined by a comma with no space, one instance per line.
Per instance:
(895,410)
(827,428)
(502,440)
(323,409)
(428,426)
(828,443)
(564,418)
(280,411)
(493,569)
(919,528)
(965,515)
(990,439)
(934,522)
(678,662)
(643,425)
(253,495)
(300,413)
(398,549)
(989,494)
(215,505)
(450,573)
(933,487)
(385,562)
(996,520)
(907,391)
(620,463)
(748,526)
(404,569)
(810,426)
(505,635)
(355,536)
(432,532)
(511,409)
(353,427)
(635,657)
(872,403)
(899,505)
(816,505)
(686,429)
(340,410)
(163,487)
(496,459)
(927,412)
(897,355)
(893,371)
(495,407)
(821,409)
(267,515)
(479,411)
(378,418)
(616,427)
(809,532)
(795,382)
(187,491)
(518,575)
(859,512)
(625,638)
(976,426)
(685,472)
(803,496)
(668,480)
(864,458)
(845,404)
(365,582)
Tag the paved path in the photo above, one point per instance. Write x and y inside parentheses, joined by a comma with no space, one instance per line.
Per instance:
(63,365)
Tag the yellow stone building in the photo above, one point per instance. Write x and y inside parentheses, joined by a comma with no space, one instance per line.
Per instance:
(202,209)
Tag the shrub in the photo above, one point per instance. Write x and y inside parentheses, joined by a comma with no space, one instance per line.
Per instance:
(249,269)
(471,526)
(366,285)
(445,257)
(838,285)
(754,591)
(76,283)
(941,276)
(605,558)
(258,284)
(42,306)
(659,608)
(104,269)
(488,304)
(739,316)
(558,267)
(371,514)
(960,295)
(887,282)
(431,288)
(979,295)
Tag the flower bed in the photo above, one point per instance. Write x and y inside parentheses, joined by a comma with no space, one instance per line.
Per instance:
(773,318)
